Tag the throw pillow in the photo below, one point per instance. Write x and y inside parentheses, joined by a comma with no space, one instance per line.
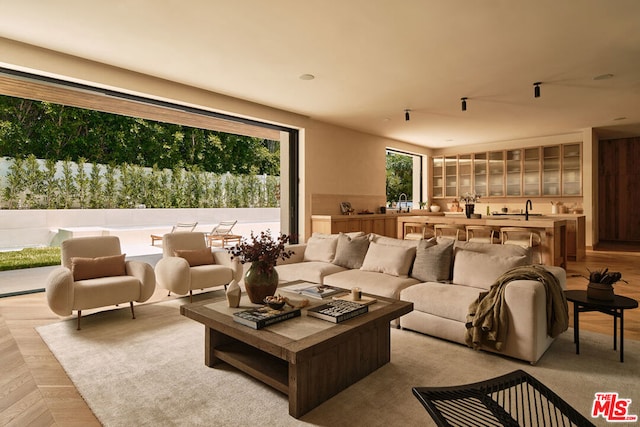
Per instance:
(196,257)
(433,260)
(93,268)
(393,260)
(321,248)
(350,251)
(481,270)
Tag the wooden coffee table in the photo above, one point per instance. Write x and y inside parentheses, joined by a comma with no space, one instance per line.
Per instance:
(308,359)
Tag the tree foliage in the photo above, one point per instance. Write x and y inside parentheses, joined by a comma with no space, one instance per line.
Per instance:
(59,132)
(399,176)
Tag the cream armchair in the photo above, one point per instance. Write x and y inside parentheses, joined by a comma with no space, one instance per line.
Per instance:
(188,263)
(94,274)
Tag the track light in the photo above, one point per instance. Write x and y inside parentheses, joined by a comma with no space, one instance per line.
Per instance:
(464,104)
(407,117)
(536,89)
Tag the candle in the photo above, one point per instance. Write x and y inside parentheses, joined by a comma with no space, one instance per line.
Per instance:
(356,293)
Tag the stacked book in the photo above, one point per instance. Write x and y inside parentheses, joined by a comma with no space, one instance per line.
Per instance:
(258,318)
(338,310)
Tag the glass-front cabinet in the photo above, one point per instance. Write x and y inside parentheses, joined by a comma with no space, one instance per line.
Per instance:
(438,177)
(480,174)
(571,173)
(464,174)
(551,171)
(531,175)
(451,176)
(514,172)
(496,173)
(554,170)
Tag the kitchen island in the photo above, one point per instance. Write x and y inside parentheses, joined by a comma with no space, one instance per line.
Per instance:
(553,230)
(383,224)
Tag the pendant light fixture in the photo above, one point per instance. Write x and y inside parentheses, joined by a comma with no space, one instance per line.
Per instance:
(464,103)
(536,89)
(407,117)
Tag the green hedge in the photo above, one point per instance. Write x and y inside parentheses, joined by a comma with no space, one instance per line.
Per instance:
(31,183)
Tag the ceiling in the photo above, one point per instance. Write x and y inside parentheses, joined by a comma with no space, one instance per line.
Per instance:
(372,59)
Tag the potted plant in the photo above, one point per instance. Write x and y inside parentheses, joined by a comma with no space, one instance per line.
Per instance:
(263,252)
(601,284)
(469,200)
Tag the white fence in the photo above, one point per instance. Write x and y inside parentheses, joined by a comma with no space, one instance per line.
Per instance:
(25,228)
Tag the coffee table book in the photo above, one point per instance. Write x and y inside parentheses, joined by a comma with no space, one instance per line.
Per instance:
(258,318)
(315,290)
(338,311)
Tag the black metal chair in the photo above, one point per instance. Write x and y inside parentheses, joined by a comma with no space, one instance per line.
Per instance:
(515,399)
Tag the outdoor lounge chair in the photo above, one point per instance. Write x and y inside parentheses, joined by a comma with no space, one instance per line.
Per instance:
(181,226)
(221,234)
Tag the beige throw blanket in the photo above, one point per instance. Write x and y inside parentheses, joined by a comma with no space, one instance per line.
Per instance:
(487,320)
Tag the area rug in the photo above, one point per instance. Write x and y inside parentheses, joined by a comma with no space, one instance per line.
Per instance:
(150,372)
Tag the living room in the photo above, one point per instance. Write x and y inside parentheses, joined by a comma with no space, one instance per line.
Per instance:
(343,143)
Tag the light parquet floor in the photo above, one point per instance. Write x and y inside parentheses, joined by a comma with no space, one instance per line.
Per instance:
(36,391)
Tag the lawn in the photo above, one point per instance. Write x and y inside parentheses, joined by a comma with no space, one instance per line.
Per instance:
(28,258)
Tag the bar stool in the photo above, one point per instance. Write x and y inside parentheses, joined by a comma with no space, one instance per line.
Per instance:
(483,234)
(450,231)
(522,236)
(417,231)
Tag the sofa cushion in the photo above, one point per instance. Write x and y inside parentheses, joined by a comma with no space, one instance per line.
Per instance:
(350,251)
(481,270)
(441,299)
(309,271)
(196,257)
(93,268)
(393,260)
(370,282)
(433,260)
(321,248)
(498,250)
(390,241)
(205,276)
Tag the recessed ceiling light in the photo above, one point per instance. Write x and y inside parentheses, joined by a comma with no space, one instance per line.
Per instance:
(307,77)
(620,118)
(603,77)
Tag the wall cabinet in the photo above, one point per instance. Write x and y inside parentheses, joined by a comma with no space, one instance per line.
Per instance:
(554,170)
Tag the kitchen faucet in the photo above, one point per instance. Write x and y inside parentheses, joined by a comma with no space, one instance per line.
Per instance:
(400,202)
(527,205)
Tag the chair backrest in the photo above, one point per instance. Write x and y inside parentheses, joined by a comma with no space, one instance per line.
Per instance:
(223,228)
(89,247)
(450,231)
(520,235)
(485,232)
(184,227)
(182,241)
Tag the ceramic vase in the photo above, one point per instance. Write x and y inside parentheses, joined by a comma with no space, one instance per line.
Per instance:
(600,291)
(260,281)
(468,209)
(233,294)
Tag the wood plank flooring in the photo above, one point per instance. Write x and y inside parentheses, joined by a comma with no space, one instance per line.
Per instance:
(36,391)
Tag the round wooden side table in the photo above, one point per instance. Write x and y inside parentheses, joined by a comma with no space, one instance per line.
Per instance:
(613,308)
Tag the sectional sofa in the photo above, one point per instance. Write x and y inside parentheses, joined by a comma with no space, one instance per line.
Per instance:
(442,278)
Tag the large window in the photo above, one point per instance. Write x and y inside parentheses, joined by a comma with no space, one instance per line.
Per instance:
(33,87)
(404,179)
